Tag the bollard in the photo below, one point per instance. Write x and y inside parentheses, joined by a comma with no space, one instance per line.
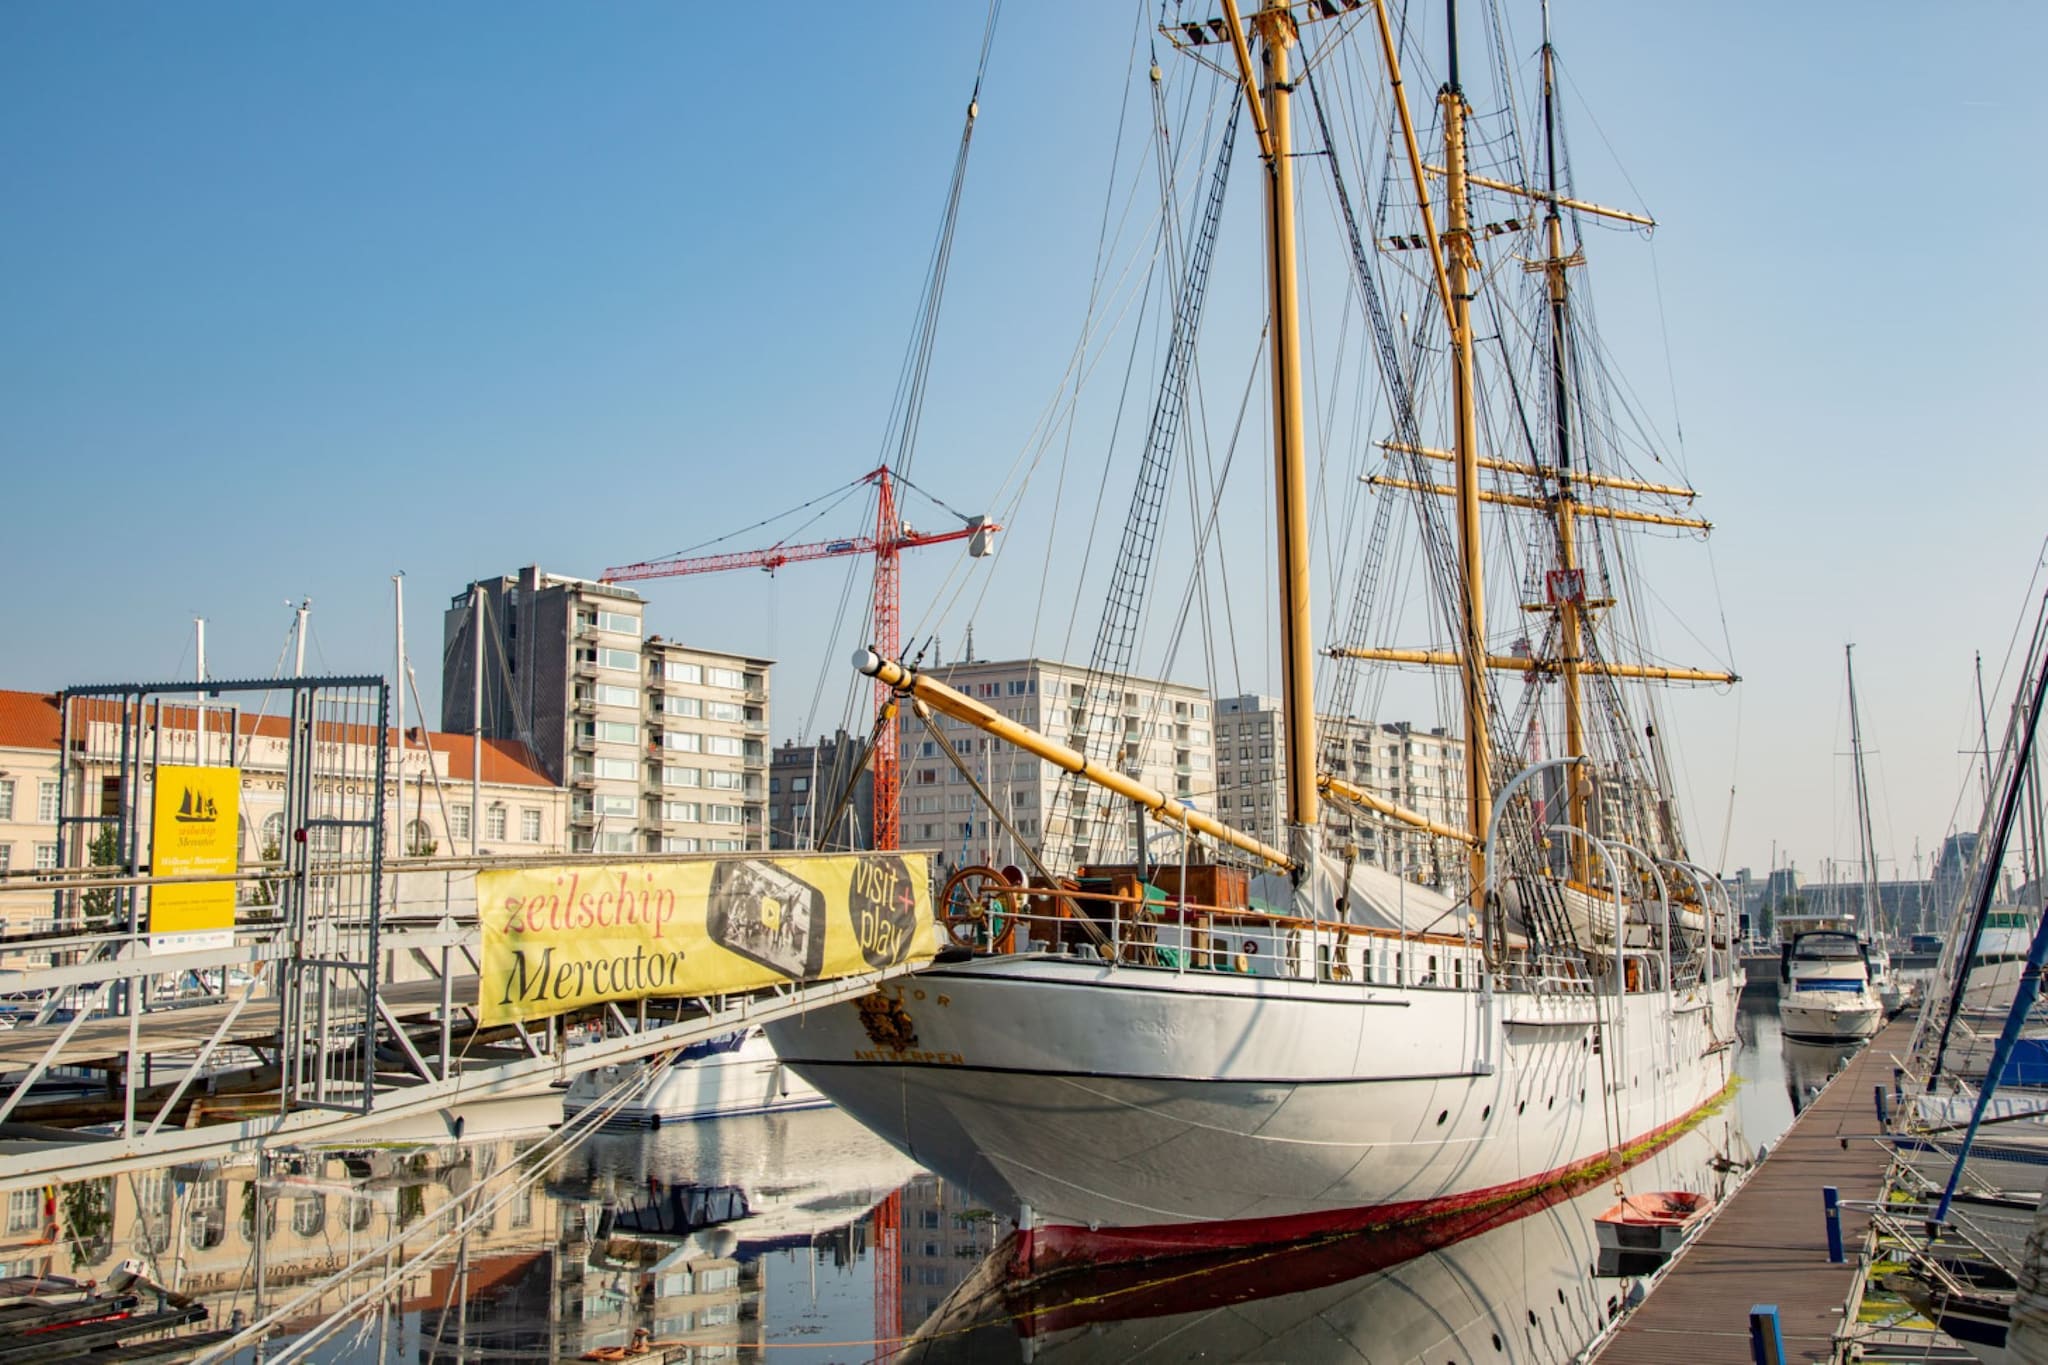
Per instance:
(1833,1201)
(1884,1118)
(1766,1342)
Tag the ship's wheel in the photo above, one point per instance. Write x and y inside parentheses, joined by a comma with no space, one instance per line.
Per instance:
(979,909)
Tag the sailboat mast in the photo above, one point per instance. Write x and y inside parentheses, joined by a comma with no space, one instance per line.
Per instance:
(1867,843)
(1568,591)
(1457,240)
(1277,34)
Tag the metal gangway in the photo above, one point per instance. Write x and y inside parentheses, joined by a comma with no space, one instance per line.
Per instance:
(341,1000)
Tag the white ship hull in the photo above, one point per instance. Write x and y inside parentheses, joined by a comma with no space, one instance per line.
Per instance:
(1829,1016)
(1122,1112)
(749,1079)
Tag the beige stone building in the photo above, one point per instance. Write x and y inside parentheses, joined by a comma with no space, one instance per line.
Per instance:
(522,811)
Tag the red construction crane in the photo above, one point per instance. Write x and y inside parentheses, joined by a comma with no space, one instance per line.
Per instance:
(892,536)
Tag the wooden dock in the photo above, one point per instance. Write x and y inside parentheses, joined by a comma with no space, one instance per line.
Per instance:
(1769,1243)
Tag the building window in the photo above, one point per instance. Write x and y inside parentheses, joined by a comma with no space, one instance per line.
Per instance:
(726,745)
(25,1210)
(724,677)
(690,708)
(624,660)
(458,822)
(611,694)
(618,841)
(46,857)
(616,769)
(612,804)
(682,673)
(722,815)
(6,857)
(800,784)
(686,812)
(724,710)
(529,825)
(682,777)
(677,844)
(718,781)
(618,732)
(309,1216)
(46,802)
(419,840)
(618,621)
(683,741)
(494,821)
(6,798)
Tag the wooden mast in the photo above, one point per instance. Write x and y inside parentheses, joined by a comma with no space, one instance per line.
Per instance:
(1271,100)
(1459,263)
(1290,448)
(1566,590)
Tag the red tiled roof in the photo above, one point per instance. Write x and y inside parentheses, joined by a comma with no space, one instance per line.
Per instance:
(29,720)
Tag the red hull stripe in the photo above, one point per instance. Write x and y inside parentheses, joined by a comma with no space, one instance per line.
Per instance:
(1055,1248)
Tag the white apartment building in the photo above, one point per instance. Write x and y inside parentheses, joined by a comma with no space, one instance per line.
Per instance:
(1420,769)
(663,746)
(1160,732)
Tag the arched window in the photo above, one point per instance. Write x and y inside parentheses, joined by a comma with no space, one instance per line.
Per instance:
(309,1216)
(494,820)
(419,840)
(273,835)
(206,1214)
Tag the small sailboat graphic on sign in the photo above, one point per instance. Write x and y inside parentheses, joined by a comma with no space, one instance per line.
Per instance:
(194,807)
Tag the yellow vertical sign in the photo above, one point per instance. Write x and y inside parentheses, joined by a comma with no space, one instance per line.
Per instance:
(195,828)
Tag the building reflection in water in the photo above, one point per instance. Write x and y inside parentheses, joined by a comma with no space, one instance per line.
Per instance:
(802,1237)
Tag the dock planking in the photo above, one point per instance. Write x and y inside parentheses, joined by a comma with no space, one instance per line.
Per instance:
(1769,1243)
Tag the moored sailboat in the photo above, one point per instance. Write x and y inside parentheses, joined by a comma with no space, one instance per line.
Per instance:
(1142,1059)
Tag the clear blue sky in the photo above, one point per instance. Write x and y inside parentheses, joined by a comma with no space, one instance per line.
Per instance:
(298,297)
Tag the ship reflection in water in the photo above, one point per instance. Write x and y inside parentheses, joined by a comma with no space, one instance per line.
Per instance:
(801,1237)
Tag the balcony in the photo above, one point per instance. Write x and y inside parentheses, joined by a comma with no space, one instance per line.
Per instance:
(584,703)
(586,668)
(583,782)
(586,744)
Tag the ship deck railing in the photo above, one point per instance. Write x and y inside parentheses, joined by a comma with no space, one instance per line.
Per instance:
(1142,930)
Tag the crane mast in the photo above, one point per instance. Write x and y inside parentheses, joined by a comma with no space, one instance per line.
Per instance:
(891,537)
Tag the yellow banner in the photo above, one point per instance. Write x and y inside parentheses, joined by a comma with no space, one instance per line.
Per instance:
(195,827)
(559,938)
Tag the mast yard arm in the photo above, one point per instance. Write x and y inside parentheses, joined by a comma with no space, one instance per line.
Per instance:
(907,681)
(1585,509)
(1515,663)
(1641,220)
(1248,78)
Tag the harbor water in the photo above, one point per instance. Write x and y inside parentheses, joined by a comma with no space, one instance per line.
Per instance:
(800,1237)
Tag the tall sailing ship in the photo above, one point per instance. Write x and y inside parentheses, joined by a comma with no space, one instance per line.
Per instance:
(1250,1043)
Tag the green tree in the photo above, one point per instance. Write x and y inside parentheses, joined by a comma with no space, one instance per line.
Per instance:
(104,851)
(265,892)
